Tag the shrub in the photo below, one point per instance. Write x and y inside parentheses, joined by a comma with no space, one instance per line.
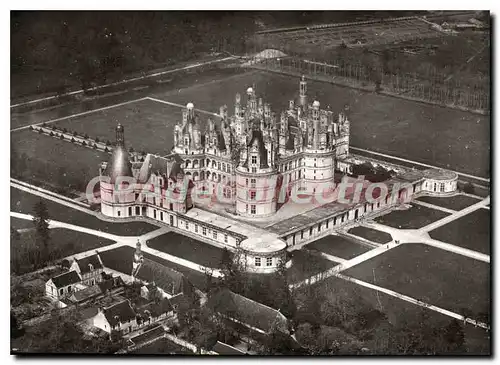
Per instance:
(44,124)
(131,149)
(97,139)
(95,146)
(61,136)
(108,143)
(72,140)
(106,149)
(86,136)
(51,134)
(75,134)
(65,130)
(31,127)
(40,130)
(84,144)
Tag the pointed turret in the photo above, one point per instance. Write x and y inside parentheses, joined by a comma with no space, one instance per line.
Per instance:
(303,91)
(119,166)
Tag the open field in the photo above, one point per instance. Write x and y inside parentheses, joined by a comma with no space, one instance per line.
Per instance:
(23,202)
(434,276)
(188,248)
(471,231)
(457,202)
(371,234)
(141,120)
(416,217)
(17,223)
(338,246)
(63,242)
(400,313)
(310,41)
(54,162)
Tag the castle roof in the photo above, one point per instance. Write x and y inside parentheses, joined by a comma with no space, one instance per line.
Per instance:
(119,165)
(258,139)
(66,279)
(165,278)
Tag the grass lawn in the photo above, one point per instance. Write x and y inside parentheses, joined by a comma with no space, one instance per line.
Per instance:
(416,217)
(187,248)
(63,242)
(306,264)
(55,162)
(149,125)
(121,258)
(435,276)
(23,202)
(470,231)
(425,133)
(400,312)
(371,234)
(17,223)
(457,202)
(338,246)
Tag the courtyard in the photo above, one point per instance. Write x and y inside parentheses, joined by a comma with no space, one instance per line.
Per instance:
(371,234)
(417,216)
(188,248)
(470,231)
(338,246)
(457,202)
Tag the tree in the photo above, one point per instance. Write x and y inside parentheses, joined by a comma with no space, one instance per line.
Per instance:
(454,336)
(41,221)
(14,234)
(468,188)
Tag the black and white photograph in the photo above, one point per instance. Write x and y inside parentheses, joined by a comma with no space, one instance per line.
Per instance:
(223,183)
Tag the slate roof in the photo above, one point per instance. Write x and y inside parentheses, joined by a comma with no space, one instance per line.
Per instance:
(171,281)
(248,311)
(84,263)
(86,293)
(119,259)
(258,138)
(66,279)
(119,165)
(224,349)
(156,308)
(120,312)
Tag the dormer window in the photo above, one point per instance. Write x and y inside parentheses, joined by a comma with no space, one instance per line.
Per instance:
(91,267)
(254,159)
(186,141)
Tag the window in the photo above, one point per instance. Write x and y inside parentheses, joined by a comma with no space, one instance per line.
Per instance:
(252,195)
(254,160)
(254,170)
(61,291)
(215,235)
(187,225)
(252,209)
(119,213)
(253,183)
(161,216)
(196,228)
(301,234)
(269,261)
(204,231)
(257,261)
(69,289)
(225,238)
(246,182)
(223,167)
(246,208)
